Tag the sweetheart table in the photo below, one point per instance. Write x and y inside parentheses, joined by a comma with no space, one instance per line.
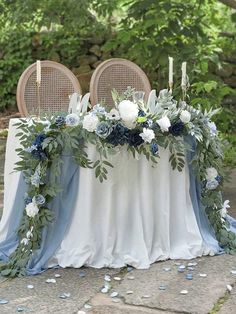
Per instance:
(139,215)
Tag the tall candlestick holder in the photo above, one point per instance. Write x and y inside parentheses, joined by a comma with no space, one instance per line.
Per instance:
(171,84)
(38,99)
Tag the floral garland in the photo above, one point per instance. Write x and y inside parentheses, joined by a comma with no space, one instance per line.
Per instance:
(143,128)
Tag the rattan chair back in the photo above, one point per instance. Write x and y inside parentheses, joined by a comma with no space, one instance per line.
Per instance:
(57,83)
(118,74)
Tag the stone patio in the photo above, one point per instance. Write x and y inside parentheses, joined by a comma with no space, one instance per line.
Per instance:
(155,291)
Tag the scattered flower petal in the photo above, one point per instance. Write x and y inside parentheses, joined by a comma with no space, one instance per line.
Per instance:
(30,287)
(2,301)
(81,312)
(87,306)
(167,269)
(116,300)
(229,288)
(117,278)
(189,276)
(51,280)
(162,287)
(82,274)
(104,290)
(129,292)
(64,295)
(184,292)
(203,275)
(57,275)
(131,277)
(233,272)
(146,296)
(192,264)
(114,294)
(107,278)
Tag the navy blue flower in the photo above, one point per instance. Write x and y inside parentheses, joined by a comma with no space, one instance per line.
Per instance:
(177,128)
(141,113)
(39,154)
(134,138)
(154,148)
(60,121)
(119,135)
(39,139)
(28,200)
(218,179)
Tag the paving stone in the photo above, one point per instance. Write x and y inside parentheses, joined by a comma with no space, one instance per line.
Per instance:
(229,306)
(203,293)
(44,297)
(102,304)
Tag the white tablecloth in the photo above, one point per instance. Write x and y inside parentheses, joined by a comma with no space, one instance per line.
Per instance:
(138,216)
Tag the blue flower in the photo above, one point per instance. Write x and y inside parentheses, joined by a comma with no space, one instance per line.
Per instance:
(35,179)
(218,178)
(72,119)
(177,128)
(154,148)
(119,135)
(28,200)
(134,138)
(60,121)
(39,140)
(39,199)
(103,129)
(212,184)
(98,109)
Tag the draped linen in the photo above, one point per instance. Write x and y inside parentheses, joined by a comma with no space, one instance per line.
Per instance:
(138,216)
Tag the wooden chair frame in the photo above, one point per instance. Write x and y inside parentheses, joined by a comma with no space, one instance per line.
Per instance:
(21,87)
(116,61)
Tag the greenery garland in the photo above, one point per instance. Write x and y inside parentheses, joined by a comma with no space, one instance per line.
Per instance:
(142,128)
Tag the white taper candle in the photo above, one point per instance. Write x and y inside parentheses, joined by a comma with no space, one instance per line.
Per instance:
(171,70)
(38,72)
(184,74)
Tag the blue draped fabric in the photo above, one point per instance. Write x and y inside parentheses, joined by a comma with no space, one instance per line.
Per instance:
(62,207)
(206,230)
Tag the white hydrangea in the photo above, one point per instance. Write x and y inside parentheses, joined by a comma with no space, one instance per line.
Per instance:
(185,116)
(31,209)
(147,135)
(90,122)
(164,124)
(128,112)
(211,173)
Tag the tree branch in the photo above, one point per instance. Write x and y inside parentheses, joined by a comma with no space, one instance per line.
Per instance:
(229,3)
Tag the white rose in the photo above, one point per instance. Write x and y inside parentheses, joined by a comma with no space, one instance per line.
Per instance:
(24,241)
(185,116)
(224,209)
(128,112)
(32,209)
(211,173)
(164,124)
(147,135)
(90,122)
